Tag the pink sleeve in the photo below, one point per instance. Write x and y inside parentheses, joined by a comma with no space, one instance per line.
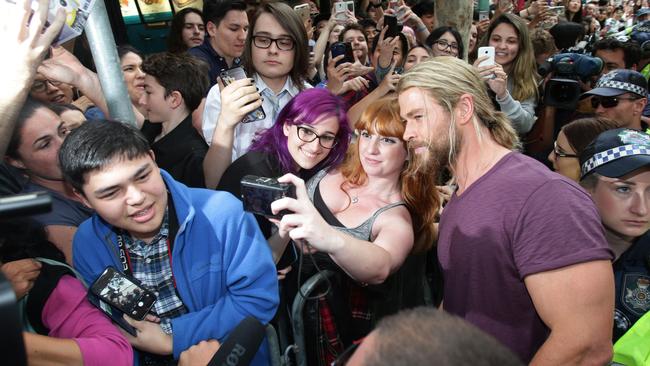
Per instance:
(68,314)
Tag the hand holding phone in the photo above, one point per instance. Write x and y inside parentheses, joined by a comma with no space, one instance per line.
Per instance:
(394,28)
(487,52)
(303,11)
(342,48)
(237,73)
(123,293)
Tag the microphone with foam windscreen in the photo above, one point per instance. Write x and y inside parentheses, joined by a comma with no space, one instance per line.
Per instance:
(241,345)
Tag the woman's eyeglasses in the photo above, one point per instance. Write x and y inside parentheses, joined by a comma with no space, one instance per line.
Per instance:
(443,45)
(607,102)
(307,135)
(39,86)
(561,154)
(283,43)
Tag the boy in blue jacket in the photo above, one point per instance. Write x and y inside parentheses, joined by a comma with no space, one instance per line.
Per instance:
(202,255)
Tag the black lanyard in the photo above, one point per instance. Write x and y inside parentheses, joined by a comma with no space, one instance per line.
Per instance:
(125,259)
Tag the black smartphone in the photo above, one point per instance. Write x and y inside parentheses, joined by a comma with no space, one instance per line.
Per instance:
(238,73)
(342,48)
(259,192)
(398,70)
(123,293)
(111,312)
(394,28)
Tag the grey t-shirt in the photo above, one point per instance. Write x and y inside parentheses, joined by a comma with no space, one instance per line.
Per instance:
(64,212)
(517,219)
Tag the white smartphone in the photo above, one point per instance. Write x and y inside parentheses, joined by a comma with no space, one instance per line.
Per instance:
(486,51)
(303,11)
(339,10)
(350,6)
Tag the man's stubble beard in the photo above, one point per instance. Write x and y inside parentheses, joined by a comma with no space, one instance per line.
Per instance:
(436,158)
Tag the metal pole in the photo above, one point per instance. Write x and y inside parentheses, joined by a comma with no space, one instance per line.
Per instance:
(102,47)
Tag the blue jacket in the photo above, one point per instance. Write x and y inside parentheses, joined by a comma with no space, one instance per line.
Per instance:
(222,264)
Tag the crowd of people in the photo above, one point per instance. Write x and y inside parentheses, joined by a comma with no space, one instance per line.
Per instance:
(464,192)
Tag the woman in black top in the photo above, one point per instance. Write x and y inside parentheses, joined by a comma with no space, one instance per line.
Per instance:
(310,133)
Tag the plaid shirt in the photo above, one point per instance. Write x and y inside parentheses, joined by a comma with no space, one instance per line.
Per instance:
(150,264)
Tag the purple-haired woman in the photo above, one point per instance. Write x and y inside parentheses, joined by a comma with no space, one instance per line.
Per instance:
(310,133)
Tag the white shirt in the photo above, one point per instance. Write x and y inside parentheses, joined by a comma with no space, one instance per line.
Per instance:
(245,132)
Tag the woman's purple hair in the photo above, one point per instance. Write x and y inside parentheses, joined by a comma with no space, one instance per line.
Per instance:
(307,107)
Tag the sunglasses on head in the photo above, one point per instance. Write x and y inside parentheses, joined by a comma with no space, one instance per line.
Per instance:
(607,102)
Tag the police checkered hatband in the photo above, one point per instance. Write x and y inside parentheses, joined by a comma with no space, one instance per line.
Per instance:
(613,154)
(621,85)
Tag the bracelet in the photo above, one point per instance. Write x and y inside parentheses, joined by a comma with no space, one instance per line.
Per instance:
(421,28)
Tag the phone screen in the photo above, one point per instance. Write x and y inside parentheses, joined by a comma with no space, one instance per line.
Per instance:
(119,291)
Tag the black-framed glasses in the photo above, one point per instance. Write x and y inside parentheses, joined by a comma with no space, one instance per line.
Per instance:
(282,43)
(607,102)
(443,45)
(561,154)
(344,357)
(40,86)
(307,135)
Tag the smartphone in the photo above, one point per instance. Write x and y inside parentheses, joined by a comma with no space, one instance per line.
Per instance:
(398,70)
(339,11)
(483,10)
(394,28)
(114,314)
(350,6)
(303,11)
(259,192)
(123,293)
(558,10)
(342,48)
(489,52)
(238,73)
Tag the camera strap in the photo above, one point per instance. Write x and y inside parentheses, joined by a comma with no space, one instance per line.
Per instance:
(125,258)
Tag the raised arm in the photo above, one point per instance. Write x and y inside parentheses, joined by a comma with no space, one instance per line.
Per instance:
(387,85)
(321,42)
(365,261)
(235,101)
(25,45)
(65,67)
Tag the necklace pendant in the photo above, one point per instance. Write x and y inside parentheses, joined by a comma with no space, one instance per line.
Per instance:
(355,199)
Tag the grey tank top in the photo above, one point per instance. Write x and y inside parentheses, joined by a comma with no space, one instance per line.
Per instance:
(362,231)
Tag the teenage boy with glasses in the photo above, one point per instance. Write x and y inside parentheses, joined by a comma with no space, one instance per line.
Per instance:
(276,58)
(620,95)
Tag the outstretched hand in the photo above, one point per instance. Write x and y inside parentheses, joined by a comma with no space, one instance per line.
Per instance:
(304,223)
(64,67)
(26,39)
